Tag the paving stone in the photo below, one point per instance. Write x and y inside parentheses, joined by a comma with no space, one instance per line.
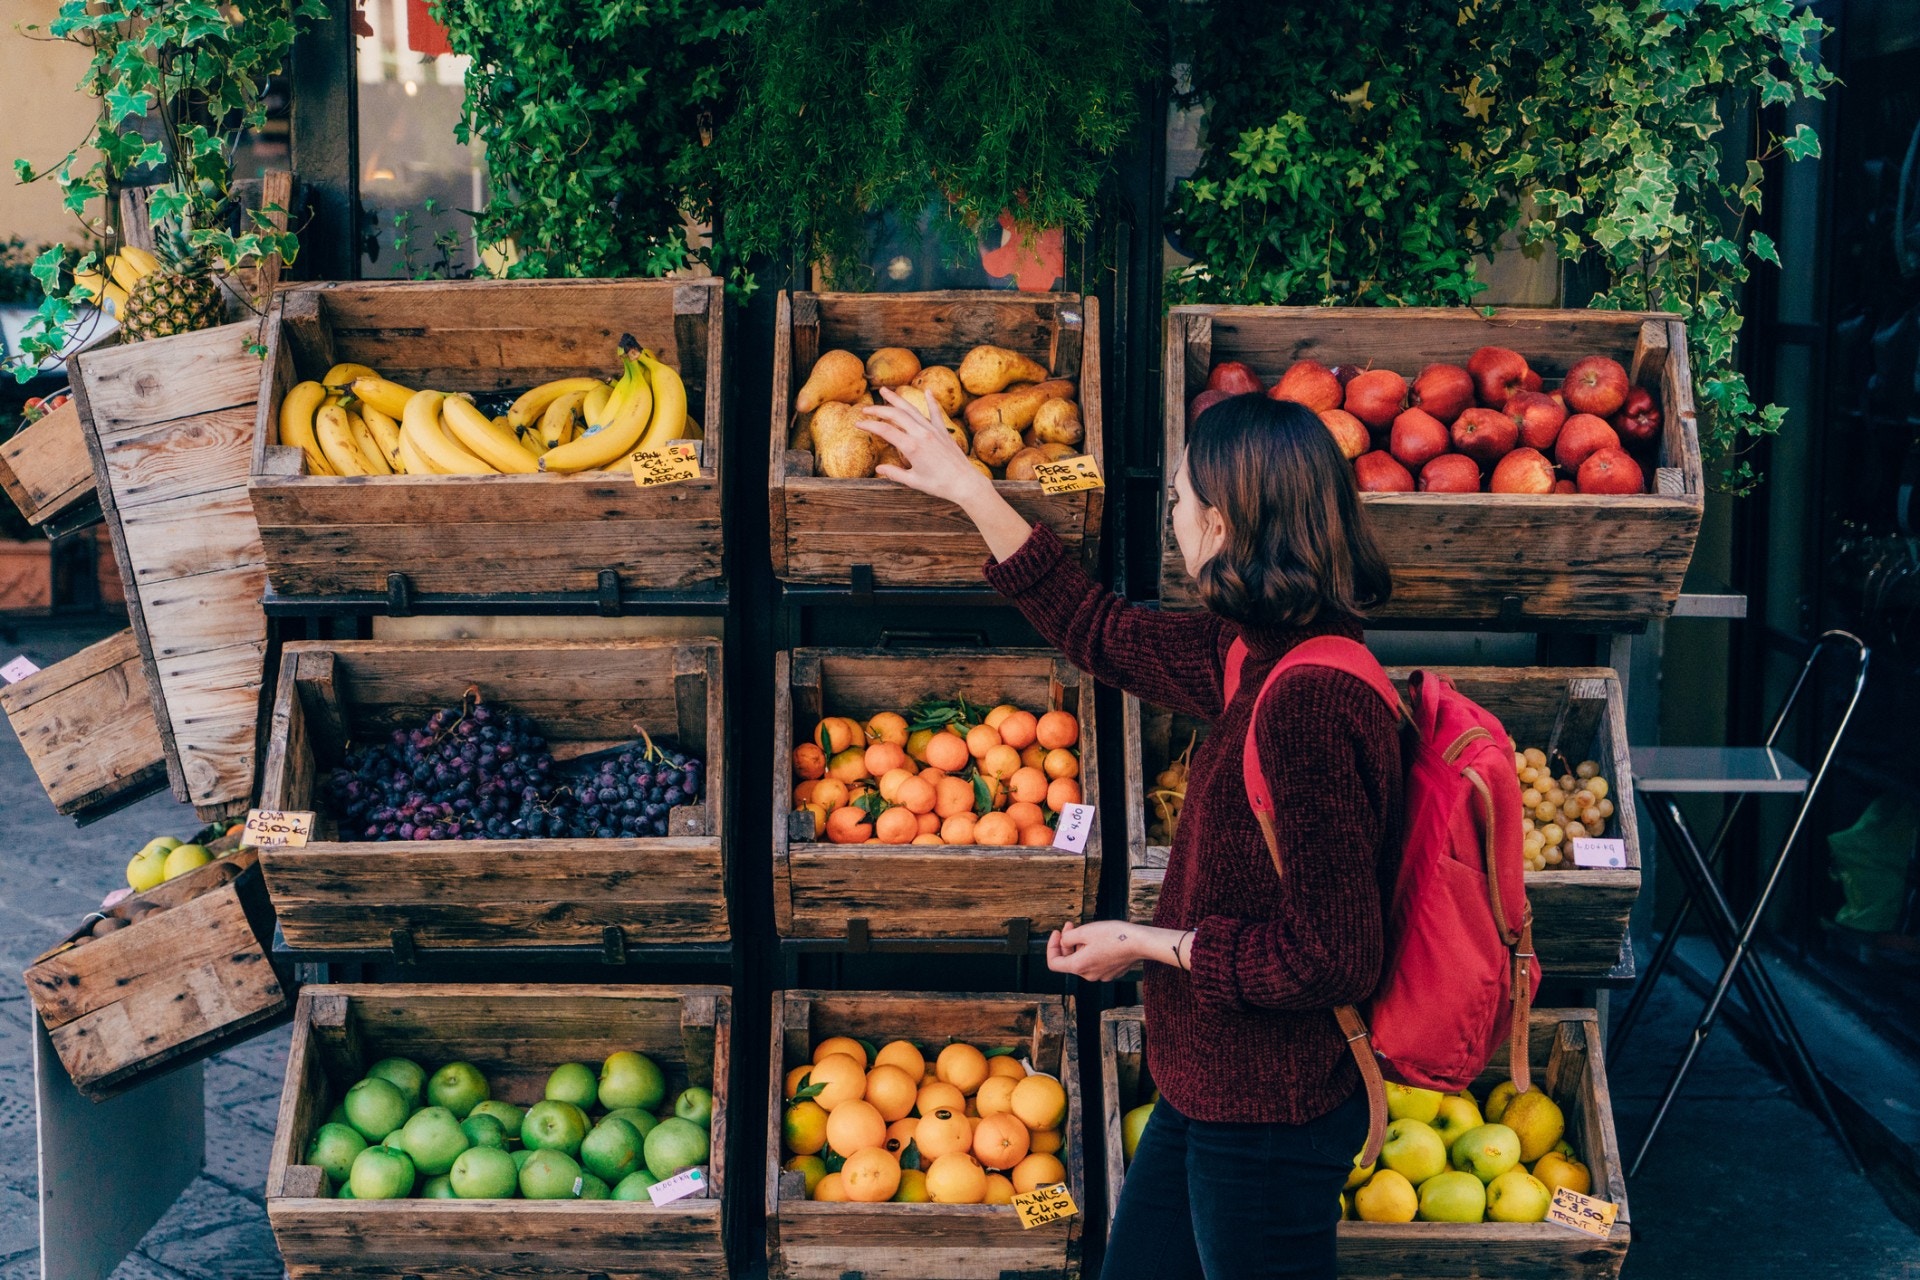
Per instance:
(212,1233)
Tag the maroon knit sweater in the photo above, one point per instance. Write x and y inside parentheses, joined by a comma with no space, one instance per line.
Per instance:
(1248,1035)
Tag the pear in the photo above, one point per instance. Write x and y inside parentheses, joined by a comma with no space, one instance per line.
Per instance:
(1016,409)
(838,377)
(988,369)
(891,367)
(944,385)
(995,446)
(1058,422)
(1020,466)
(842,448)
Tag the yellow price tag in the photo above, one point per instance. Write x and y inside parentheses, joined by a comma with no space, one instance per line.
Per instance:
(1581,1213)
(1069,475)
(668,464)
(277,828)
(1042,1205)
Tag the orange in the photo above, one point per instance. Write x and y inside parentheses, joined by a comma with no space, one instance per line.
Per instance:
(903,1054)
(1047,1142)
(929,825)
(992,828)
(795,1076)
(1006,1064)
(803,791)
(962,1066)
(1018,730)
(1037,836)
(928,840)
(1040,1102)
(804,1128)
(996,1094)
(939,1094)
(1038,1171)
(1033,757)
(956,1179)
(913,1188)
(1000,1142)
(809,761)
(892,1092)
(996,791)
(871,1175)
(916,744)
(830,793)
(840,1044)
(1062,763)
(836,733)
(845,1080)
(849,766)
(996,717)
(942,1131)
(854,1126)
(896,826)
(932,774)
(918,795)
(1028,785)
(1057,729)
(980,740)
(1025,813)
(958,829)
(951,796)
(901,1132)
(947,751)
(999,1189)
(831,1189)
(882,756)
(888,726)
(1062,792)
(848,825)
(890,784)
(1001,762)
(812,1168)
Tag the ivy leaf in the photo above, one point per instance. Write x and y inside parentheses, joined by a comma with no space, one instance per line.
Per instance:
(1804,144)
(1762,246)
(124,104)
(23,171)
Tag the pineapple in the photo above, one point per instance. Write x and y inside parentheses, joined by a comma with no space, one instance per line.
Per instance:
(179,296)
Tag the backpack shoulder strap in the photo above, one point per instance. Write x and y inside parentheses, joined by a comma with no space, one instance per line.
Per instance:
(1236,660)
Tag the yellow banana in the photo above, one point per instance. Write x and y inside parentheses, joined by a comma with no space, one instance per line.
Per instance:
(527,409)
(336,442)
(557,423)
(369,445)
(386,434)
(389,398)
(410,460)
(495,445)
(343,374)
(613,439)
(694,430)
(107,295)
(140,260)
(420,425)
(297,408)
(669,420)
(595,404)
(122,271)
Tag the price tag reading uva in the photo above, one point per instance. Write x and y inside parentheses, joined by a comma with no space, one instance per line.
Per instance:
(692,1182)
(1581,1213)
(277,828)
(1069,475)
(17,670)
(668,464)
(1589,852)
(1076,824)
(1042,1205)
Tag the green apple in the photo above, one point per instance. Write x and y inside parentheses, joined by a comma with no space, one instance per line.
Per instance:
(633,1187)
(1457,1115)
(1517,1196)
(339,1114)
(376,1108)
(1413,1150)
(1487,1151)
(675,1145)
(592,1188)
(695,1104)
(506,1113)
(1404,1102)
(333,1148)
(1453,1196)
(148,867)
(630,1079)
(573,1082)
(434,1139)
(406,1075)
(438,1187)
(1132,1126)
(484,1130)
(484,1173)
(553,1126)
(520,1157)
(344,1193)
(381,1173)
(459,1087)
(642,1121)
(549,1175)
(612,1150)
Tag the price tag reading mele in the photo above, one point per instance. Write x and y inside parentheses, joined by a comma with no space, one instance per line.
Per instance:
(692,1182)
(1076,824)
(668,464)
(1042,1205)
(1581,1213)
(1589,852)
(277,828)
(1069,475)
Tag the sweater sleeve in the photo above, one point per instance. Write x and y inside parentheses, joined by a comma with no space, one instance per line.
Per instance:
(1331,760)
(1173,659)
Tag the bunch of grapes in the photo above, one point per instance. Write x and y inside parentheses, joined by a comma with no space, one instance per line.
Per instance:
(1559,809)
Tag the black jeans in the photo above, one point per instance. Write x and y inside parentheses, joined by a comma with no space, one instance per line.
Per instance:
(1205,1201)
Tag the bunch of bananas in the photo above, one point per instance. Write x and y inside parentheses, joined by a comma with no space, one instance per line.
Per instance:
(353,422)
(116,276)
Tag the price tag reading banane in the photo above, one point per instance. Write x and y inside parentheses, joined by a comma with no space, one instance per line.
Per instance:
(1069,475)
(668,464)
(1042,1205)
(1581,1213)
(277,828)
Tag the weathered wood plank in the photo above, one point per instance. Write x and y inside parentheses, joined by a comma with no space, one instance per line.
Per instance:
(45,467)
(87,725)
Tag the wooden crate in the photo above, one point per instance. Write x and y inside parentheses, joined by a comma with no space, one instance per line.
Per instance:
(1507,557)
(808,1240)
(823,890)
(169,423)
(822,528)
(1565,1052)
(45,467)
(87,726)
(515,1035)
(168,990)
(26,576)
(354,895)
(1579,916)
(474,535)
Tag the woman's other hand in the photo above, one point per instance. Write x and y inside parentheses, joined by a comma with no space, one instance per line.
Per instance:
(1099,951)
(936,465)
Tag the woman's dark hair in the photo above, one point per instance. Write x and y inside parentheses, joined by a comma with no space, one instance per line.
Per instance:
(1299,544)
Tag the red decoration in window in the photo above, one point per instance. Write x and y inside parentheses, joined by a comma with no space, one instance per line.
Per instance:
(424,33)
(1034,268)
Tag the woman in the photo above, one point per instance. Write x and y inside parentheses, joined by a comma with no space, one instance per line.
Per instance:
(1261,1109)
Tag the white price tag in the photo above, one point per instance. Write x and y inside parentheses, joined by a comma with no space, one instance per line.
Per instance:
(1591,852)
(1076,824)
(691,1182)
(17,670)
(277,828)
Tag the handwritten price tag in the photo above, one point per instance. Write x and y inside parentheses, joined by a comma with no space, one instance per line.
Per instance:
(1042,1205)
(668,464)
(1076,824)
(1069,475)
(1589,852)
(17,670)
(693,1182)
(277,828)
(1581,1213)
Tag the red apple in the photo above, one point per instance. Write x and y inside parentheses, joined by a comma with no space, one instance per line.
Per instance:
(1235,378)
(1443,390)
(1559,397)
(1203,402)
(1309,383)
(1565,486)
(1450,473)
(1378,472)
(1531,382)
(1611,470)
(1639,419)
(1523,471)
(1485,435)
(1597,386)
(1346,373)
(1538,417)
(1376,396)
(1348,432)
(1497,373)
(1418,438)
(1583,434)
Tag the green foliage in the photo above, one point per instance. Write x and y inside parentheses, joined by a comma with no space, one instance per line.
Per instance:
(17,283)
(195,70)
(856,107)
(595,115)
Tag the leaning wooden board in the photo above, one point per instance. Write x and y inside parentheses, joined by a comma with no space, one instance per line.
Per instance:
(1478,556)
(1579,914)
(1568,1062)
(87,725)
(812,1240)
(45,467)
(170,424)
(516,1035)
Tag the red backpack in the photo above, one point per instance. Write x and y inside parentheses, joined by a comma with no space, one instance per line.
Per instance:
(1460,971)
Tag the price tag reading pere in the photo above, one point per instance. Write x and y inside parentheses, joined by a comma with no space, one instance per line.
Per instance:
(277,828)
(1581,1213)
(1589,852)
(1042,1205)
(668,464)
(1076,824)
(1069,475)
(17,670)
(692,1182)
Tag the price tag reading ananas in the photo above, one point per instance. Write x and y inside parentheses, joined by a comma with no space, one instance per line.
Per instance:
(277,828)
(1042,1205)
(669,464)
(1069,475)
(1581,1213)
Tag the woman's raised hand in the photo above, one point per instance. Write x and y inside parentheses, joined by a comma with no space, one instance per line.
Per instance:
(935,463)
